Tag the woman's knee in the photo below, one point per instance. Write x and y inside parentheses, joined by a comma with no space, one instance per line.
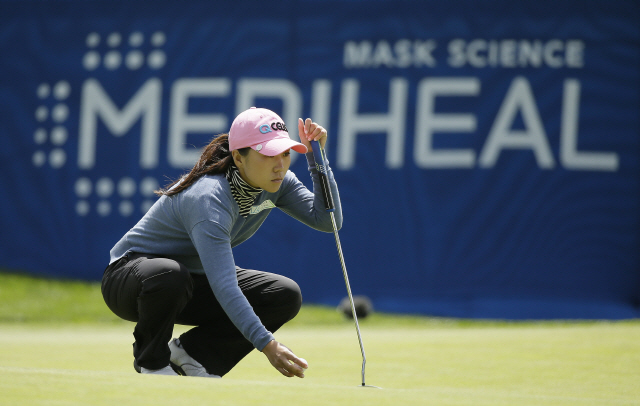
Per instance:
(290,297)
(276,299)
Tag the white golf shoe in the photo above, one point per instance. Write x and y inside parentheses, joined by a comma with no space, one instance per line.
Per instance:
(163,371)
(184,364)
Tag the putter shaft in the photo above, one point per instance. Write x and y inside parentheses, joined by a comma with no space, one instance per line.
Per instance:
(346,281)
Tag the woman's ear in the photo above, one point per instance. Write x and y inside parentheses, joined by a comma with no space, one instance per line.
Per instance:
(237,157)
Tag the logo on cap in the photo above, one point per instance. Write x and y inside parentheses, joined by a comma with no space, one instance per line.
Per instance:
(264,128)
(279,126)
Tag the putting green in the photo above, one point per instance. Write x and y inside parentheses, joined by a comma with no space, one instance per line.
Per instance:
(510,364)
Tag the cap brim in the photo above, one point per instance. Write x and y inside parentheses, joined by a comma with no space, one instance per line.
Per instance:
(277,146)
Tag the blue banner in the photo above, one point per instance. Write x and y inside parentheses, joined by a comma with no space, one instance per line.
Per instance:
(487,153)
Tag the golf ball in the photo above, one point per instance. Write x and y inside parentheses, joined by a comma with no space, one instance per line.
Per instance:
(305,361)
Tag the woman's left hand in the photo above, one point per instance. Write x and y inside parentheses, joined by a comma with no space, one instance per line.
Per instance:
(311,131)
(284,360)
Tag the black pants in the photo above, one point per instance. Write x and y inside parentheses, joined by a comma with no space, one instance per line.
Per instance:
(157,293)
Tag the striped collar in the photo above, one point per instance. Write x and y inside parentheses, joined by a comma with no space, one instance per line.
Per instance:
(243,193)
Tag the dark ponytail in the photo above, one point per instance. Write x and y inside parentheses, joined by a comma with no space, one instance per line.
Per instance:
(215,159)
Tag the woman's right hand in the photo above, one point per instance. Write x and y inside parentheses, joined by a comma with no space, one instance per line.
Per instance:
(284,360)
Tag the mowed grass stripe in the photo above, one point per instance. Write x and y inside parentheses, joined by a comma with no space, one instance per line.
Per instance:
(91,387)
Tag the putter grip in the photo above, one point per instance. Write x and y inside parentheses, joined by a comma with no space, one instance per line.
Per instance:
(318,154)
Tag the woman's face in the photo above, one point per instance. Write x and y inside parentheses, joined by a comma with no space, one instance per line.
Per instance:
(261,171)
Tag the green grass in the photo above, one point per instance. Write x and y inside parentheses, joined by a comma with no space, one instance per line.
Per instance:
(29,299)
(59,345)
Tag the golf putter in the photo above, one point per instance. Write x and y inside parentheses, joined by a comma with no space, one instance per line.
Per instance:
(318,154)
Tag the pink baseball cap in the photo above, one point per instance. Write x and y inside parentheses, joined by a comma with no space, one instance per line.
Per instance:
(263,131)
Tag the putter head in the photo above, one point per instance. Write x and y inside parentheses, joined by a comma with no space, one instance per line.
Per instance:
(370,386)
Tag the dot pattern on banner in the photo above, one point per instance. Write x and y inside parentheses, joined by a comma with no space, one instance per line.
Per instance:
(51,114)
(103,208)
(104,187)
(106,190)
(58,135)
(126,208)
(83,187)
(118,50)
(57,158)
(82,208)
(61,90)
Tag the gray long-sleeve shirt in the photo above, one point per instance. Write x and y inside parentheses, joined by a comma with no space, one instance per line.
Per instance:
(199,226)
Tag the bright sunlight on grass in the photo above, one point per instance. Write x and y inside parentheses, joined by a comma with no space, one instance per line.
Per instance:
(60,345)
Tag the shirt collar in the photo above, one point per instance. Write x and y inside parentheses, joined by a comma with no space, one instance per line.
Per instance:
(243,193)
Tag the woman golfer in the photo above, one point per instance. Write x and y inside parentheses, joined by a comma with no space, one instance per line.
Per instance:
(176,265)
